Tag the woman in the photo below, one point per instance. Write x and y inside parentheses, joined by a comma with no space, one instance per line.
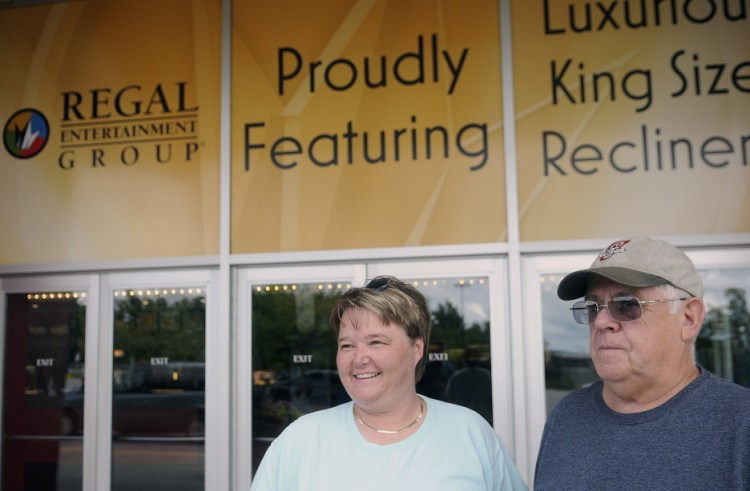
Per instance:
(387,437)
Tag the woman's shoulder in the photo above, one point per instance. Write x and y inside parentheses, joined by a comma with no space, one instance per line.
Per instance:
(322,415)
(320,420)
(454,414)
(465,430)
(446,407)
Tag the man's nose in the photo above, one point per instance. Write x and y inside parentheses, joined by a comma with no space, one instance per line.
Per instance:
(604,320)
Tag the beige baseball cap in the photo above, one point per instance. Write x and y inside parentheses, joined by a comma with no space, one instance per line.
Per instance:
(638,262)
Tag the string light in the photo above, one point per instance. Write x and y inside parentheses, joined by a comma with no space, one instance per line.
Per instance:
(157,292)
(75,295)
(284,287)
(422,283)
(56,296)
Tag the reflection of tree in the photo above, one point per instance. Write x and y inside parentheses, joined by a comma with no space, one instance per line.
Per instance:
(290,323)
(448,326)
(77,349)
(723,344)
(286,324)
(156,327)
(55,332)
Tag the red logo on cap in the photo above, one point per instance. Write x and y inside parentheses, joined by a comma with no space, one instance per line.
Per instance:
(614,248)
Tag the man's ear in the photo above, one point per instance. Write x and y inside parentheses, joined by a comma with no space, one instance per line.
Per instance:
(693,310)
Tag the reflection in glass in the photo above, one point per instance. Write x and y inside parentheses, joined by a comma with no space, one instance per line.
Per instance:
(294,351)
(722,347)
(458,368)
(294,356)
(158,389)
(567,363)
(42,441)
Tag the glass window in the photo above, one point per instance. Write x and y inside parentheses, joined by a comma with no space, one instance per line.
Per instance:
(723,346)
(158,387)
(43,391)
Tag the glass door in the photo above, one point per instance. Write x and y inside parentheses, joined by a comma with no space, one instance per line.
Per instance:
(722,347)
(109,381)
(157,328)
(287,352)
(43,383)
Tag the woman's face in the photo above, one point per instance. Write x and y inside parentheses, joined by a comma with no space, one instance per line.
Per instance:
(376,361)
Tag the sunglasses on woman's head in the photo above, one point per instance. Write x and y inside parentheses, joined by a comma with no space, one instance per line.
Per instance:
(378,284)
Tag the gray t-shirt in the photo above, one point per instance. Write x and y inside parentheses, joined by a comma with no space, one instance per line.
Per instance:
(698,440)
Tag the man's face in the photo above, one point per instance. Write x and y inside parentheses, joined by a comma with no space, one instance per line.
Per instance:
(642,351)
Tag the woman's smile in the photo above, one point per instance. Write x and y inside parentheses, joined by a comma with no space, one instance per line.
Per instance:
(366,376)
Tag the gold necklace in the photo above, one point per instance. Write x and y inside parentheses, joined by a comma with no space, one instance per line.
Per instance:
(391,432)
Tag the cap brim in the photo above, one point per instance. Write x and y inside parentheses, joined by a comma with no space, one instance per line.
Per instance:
(575,284)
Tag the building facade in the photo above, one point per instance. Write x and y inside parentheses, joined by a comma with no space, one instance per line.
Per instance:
(188,186)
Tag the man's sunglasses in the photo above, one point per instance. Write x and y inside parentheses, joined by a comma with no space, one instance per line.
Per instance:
(621,309)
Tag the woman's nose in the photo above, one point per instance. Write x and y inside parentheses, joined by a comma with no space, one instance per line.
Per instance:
(361,356)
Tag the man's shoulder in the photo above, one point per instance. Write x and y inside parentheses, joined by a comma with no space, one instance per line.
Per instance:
(726,391)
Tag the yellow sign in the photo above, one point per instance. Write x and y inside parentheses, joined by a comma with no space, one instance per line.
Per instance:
(632,118)
(111,116)
(365,124)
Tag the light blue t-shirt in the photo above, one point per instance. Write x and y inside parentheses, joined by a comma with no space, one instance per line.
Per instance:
(453,449)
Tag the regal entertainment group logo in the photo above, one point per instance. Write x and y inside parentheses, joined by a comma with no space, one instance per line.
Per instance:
(26,133)
(112,126)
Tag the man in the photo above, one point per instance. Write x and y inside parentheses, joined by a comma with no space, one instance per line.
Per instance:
(656,419)
(471,386)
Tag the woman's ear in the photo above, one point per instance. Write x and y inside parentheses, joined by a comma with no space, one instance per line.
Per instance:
(693,310)
(419,352)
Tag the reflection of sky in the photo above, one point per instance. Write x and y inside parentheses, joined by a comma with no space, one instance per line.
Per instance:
(717,281)
(562,333)
(471,299)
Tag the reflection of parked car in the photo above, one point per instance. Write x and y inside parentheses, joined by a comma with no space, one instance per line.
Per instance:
(281,401)
(310,391)
(149,400)
(278,402)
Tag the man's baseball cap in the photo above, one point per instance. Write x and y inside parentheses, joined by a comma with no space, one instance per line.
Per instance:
(638,262)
